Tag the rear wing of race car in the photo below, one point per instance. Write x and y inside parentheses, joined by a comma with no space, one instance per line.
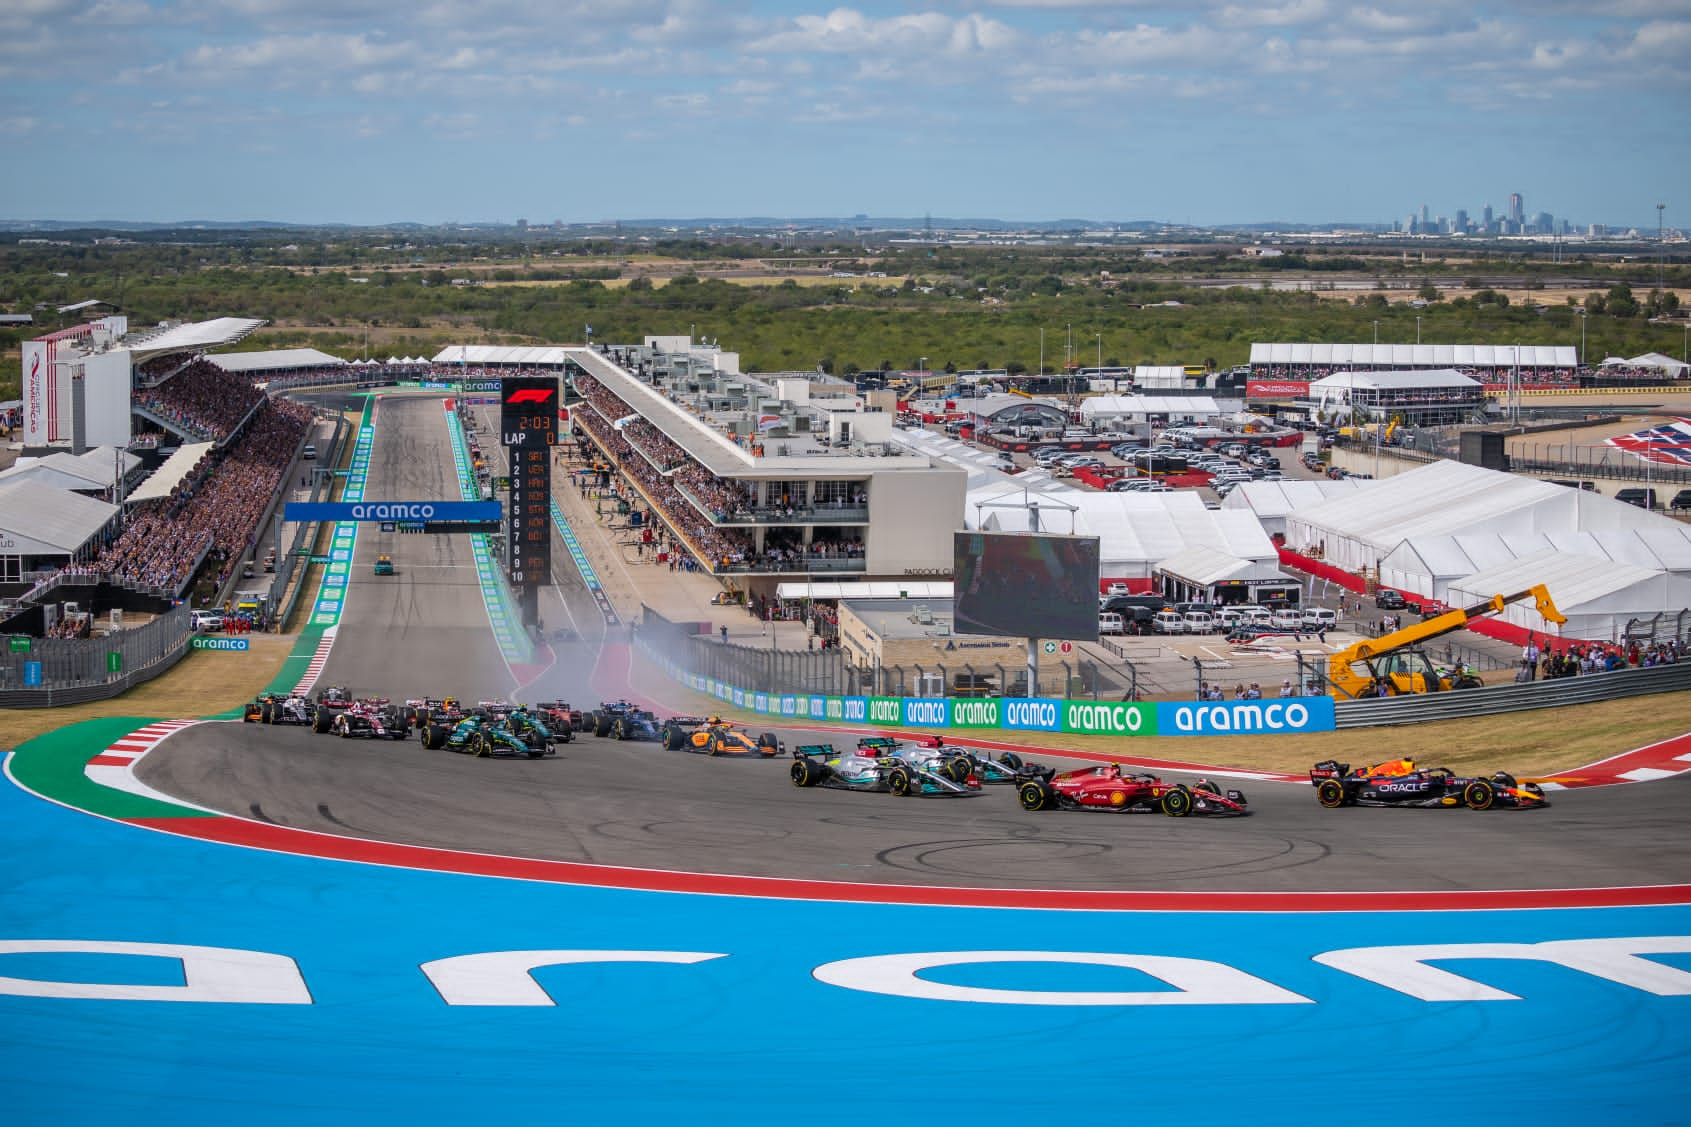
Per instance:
(1328,769)
(880,744)
(806,751)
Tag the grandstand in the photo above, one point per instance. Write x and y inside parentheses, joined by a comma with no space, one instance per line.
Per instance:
(1488,363)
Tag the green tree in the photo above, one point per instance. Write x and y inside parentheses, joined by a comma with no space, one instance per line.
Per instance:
(1621,303)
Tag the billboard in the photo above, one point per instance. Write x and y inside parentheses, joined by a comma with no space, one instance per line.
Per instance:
(390,510)
(1015,585)
(37,369)
(1276,389)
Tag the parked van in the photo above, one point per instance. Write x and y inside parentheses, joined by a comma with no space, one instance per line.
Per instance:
(1288,618)
(1320,618)
(1169,622)
(1109,622)
(1199,622)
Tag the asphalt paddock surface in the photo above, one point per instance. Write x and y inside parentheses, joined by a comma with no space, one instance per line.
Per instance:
(423,632)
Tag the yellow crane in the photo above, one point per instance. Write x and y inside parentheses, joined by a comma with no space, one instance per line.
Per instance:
(1360,669)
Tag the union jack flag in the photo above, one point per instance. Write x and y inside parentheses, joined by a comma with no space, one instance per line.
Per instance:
(1668,443)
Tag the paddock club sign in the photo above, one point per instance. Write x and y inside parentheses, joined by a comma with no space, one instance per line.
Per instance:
(1038,714)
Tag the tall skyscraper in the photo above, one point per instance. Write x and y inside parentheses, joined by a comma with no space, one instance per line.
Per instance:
(1462,219)
(1517,210)
(1485,221)
(1426,218)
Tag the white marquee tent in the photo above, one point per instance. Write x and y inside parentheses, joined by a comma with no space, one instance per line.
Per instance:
(1599,596)
(1430,565)
(1273,501)
(1099,408)
(1357,532)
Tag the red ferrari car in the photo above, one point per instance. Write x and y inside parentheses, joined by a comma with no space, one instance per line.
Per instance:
(1108,787)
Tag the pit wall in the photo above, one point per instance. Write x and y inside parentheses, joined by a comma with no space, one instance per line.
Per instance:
(1022,714)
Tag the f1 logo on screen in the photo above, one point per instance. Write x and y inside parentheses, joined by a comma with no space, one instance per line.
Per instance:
(530,395)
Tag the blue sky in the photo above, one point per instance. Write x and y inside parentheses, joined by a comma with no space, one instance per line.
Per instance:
(1207,111)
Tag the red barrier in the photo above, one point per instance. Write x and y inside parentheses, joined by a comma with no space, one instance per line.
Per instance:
(1322,570)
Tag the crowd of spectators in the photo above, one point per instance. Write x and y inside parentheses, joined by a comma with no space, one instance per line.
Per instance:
(202,398)
(213,512)
(1583,659)
(726,549)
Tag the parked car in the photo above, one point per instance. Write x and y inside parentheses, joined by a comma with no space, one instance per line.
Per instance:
(1320,618)
(1169,622)
(1288,618)
(1199,622)
(1387,599)
(1681,500)
(205,620)
(1109,622)
(1116,588)
(1643,498)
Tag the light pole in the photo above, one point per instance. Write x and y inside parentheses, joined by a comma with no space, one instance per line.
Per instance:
(1582,336)
(1661,245)
(1100,337)
(1042,353)
(1417,330)
(1376,332)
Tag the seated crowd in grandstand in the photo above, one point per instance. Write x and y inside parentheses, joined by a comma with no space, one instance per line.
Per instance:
(214,510)
(202,398)
(731,548)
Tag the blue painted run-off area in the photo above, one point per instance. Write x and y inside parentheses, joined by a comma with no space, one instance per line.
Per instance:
(754,1032)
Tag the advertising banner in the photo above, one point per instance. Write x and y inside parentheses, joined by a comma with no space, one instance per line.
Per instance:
(35,377)
(1276,389)
(235,645)
(1109,718)
(978,713)
(1245,717)
(924,712)
(1033,714)
(885,710)
(390,510)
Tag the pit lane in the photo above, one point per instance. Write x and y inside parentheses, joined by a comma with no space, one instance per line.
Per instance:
(424,631)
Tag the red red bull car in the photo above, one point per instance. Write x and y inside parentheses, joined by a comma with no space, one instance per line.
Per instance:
(1401,783)
(1108,786)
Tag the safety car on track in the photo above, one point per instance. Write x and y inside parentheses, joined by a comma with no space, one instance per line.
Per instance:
(1107,786)
(1399,782)
(712,735)
(822,765)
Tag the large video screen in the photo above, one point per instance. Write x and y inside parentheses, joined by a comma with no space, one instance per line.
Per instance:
(1012,585)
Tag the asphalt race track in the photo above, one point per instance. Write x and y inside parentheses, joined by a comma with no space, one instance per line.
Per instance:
(424,632)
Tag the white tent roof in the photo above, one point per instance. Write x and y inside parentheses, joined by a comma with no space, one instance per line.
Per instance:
(198,334)
(1203,566)
(168,476)
(1597,595)
(41,520)
(92,469)
(1135,530)
(1657,360)
(1275,499)
(850,590)
(1416,355)
(1096,405)
(475,354)
(276,359)
(1452,557)
(1443,377)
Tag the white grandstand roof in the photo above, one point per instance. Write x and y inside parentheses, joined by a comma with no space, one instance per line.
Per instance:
(472,355)
(1417,355)
(1096,405)
(215,333)
(170,475)
(41,520)
(1440,377)
(276,359)
(92,469)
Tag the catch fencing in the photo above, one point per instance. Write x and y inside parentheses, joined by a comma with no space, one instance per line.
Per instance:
(1497,699)
(55,671)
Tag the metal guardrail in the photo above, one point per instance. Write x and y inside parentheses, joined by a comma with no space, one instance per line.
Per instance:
(77,670)
(1497,699)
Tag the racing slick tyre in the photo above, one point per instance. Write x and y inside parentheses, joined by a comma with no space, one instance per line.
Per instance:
(1177,802)
(1330,793)
(267,712)
(958,770)
(481,747)
(713,744)
(899,782)
(674,739)
(342,728)
(1035,795)
(411,717)
(321,721)
(601,724)
(806,773)
(1011,761)
(768,744)
(1479,795)
(621,730)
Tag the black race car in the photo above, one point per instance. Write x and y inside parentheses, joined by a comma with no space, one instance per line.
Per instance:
(622,720)
(279,708)
(371,719)
(1400,783)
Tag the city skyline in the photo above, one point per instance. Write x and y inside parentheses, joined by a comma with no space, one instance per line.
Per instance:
(1204,114)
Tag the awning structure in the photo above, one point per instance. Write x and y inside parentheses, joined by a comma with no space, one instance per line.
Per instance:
(1203,566)
(215,333)
(1105,406)
(926,589)
(168,476)
(475,355)
(38,520)
(1416,355)
(275,360)
(1598,596)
